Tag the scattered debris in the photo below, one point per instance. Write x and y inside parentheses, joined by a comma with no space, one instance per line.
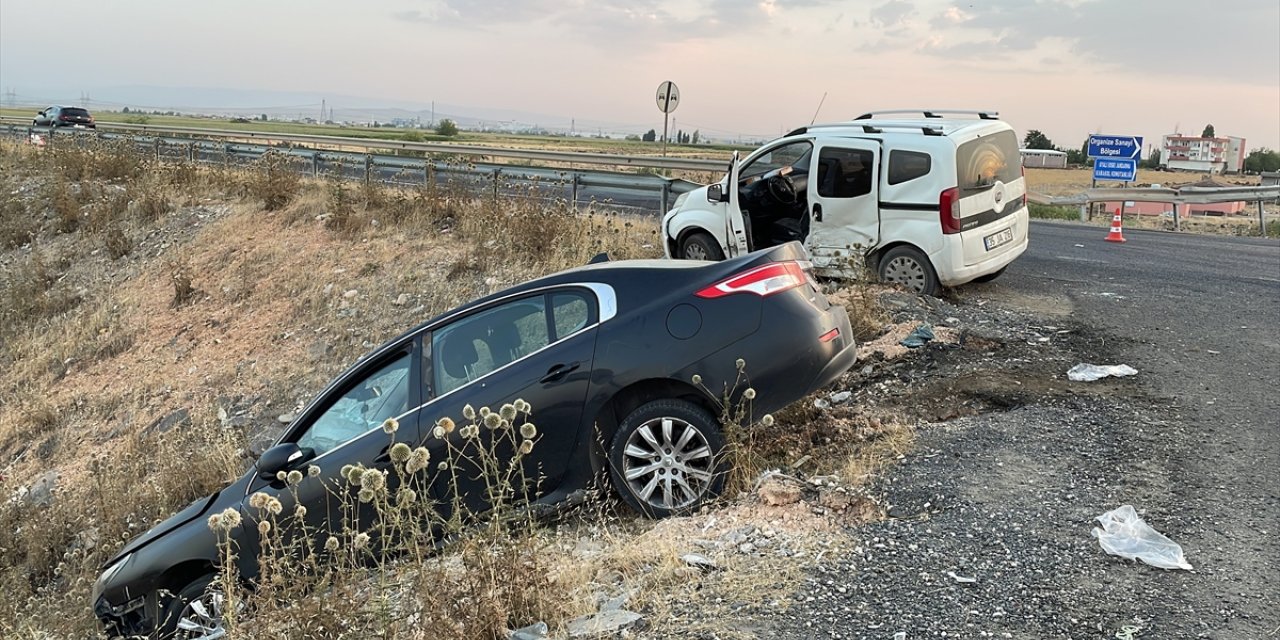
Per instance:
(1085,372)
(841,397)
(603,623)
(922,335)
(1124,533)
(699,561)
(961,579)
(535,631)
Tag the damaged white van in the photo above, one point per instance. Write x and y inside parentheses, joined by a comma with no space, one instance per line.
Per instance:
(926,199)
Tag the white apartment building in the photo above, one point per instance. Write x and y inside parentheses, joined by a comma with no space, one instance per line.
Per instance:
(1194,153)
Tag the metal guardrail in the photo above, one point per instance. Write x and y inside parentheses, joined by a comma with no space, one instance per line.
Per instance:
(566,157)
(570,184)
(1178,197)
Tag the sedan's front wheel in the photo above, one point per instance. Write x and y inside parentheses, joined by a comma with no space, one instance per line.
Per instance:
(196,612)
(667,458)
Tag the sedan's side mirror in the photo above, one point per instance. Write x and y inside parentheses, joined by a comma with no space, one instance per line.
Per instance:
(282,457)
(715,193)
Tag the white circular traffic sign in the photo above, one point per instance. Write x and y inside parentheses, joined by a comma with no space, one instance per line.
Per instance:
(668,97)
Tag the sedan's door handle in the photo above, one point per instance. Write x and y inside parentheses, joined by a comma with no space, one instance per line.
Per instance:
(559,371)
(817,212)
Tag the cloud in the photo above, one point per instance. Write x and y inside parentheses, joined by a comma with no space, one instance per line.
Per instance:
(1171,37)
(609,21)
(892,13)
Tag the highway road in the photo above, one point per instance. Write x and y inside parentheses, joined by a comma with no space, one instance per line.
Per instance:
(1007,497)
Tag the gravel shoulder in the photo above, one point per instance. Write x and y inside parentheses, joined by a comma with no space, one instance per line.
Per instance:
(990,515)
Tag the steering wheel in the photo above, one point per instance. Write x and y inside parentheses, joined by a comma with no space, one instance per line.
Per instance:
(782,189)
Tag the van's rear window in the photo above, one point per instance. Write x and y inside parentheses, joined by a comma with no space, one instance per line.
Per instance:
(980,163)
(74,112)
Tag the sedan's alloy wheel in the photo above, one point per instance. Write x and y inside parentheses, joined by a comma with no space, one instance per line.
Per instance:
(202,618)
(668,463)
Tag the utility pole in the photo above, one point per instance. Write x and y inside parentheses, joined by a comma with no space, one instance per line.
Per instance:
(433,114)
(322,104)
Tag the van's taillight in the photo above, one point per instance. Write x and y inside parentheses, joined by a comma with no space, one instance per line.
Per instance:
(762,281)
(63,118)
(949,210)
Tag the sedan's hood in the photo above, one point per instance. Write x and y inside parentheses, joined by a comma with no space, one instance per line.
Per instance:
(191,512)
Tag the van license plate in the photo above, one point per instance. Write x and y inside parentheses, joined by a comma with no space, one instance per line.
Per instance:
(998,238)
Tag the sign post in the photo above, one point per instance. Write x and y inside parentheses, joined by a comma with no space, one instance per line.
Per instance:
(668,100)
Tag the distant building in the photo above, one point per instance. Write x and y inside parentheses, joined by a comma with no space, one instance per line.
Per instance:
(1044,158)
(1194,153)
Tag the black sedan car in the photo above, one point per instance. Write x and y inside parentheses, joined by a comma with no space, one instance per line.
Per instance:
(606,355)
(56,116)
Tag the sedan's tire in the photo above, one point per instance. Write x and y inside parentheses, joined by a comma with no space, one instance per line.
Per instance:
(700,246)
(908,267)
(991,276)
(667,458)
(194,612)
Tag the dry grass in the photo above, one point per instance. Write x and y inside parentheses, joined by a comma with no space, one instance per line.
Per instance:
(273,302)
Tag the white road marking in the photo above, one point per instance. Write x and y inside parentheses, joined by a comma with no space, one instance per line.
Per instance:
(1080,259)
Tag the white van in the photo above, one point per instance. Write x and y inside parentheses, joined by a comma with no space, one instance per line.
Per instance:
(919,198)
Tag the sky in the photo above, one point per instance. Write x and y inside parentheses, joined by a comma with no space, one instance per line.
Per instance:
(751,68)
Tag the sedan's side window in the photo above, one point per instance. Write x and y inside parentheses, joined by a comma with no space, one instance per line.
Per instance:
(480,344)
(383,394)
(571,312)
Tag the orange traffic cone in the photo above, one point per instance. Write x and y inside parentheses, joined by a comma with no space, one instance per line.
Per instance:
(1117,234)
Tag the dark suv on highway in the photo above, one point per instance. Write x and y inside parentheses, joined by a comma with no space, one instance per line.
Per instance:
(64,117)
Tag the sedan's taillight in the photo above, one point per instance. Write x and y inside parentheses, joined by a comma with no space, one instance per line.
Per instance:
(949,210)
(763,281)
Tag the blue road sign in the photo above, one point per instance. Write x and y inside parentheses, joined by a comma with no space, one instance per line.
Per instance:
(1123,169)
(1115,146)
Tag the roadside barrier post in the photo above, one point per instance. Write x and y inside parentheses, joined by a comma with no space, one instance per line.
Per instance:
(1262,220)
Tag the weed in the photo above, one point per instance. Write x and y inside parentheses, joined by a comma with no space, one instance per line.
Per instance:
(66,209)
(17,226)
(184,290)
(274,182)
(118,244)
(1052,212)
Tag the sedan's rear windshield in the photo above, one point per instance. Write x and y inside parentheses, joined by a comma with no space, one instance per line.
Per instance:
(980,163)
(74,111)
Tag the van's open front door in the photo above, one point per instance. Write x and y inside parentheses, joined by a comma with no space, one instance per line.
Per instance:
(843,196)
(737,232)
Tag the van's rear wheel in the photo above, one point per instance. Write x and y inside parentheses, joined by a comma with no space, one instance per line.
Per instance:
(700,246)
(908,267)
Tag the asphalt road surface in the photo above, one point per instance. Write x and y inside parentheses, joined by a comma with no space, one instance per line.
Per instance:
(989,532)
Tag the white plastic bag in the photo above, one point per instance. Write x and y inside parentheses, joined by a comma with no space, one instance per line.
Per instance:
(1084,372)
(1125,534)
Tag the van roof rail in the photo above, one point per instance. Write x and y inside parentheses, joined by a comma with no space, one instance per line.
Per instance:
(984,114)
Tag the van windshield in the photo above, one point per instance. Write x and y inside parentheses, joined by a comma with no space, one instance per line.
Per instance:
(982,162)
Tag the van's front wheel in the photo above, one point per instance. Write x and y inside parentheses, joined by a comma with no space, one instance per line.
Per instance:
(700,246)
(908,267)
